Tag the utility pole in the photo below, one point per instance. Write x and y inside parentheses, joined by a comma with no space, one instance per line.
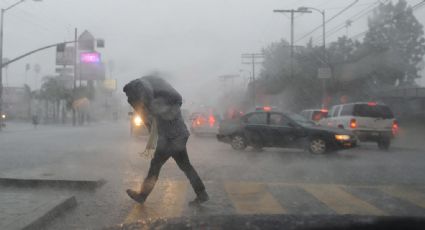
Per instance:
(324,74)
(292,12)
(74,89)
(252,57)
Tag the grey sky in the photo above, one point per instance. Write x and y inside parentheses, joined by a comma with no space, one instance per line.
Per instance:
(194,40)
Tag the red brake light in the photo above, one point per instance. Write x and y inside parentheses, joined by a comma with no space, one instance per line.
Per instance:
(371,103)
(395,127)
(353,123)
(211,120)
(267,108)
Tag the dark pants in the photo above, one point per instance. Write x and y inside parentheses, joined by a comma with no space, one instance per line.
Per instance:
(175,148)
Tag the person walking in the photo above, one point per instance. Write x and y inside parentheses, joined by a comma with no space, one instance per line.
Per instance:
(159,105)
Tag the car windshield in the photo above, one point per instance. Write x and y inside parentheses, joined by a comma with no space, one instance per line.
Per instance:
(301,120)
(175,114)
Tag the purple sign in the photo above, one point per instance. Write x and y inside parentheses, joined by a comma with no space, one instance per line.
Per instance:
(90,57)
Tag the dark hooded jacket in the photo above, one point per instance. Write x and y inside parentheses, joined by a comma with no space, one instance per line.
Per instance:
(153,97)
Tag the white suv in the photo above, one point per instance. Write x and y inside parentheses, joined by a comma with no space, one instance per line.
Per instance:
(369,121)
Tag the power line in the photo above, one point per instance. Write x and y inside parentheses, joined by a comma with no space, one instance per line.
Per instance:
(355,17)
(252,57)
(330,19)
(414,8)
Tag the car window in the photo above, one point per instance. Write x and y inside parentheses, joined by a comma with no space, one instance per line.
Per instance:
(318,115)
(336,110)
(278,119)
(300,120)
(257,119)
(375,111)
(331,112)
(347,110)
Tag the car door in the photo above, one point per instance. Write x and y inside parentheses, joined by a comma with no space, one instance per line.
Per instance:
(255,129)
(281,131)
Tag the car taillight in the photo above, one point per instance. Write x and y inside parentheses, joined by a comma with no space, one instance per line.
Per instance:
(211,120)
(267,108)
(353,123)
(395,127)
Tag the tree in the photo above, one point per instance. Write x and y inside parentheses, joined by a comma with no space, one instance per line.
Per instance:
(295,91)
(53,90)
(397,35)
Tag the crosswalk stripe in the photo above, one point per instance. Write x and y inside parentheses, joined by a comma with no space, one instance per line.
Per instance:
(252,198)
(410,194)
(341,201)
(167,200)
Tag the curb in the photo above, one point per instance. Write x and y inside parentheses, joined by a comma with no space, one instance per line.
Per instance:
(73,184)
(43,220)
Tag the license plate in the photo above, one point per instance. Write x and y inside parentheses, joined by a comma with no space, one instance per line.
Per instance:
(375,134)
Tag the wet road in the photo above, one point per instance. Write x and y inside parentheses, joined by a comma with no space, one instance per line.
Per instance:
(360,181)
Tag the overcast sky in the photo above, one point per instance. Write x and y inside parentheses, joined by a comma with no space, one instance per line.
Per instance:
(194,40)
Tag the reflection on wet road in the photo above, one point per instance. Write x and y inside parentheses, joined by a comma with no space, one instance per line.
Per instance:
(285,198)
(361,181)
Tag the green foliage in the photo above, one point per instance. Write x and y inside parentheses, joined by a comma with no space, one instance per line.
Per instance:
(389,56)
(54,90)
(398,35)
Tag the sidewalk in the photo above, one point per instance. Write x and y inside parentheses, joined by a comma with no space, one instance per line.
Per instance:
(26,210)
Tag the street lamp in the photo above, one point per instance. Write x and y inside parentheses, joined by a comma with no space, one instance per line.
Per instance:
(322,12)
(3,11)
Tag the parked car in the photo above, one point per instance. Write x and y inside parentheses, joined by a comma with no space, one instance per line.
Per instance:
(137,125)
(314,114)
(370,121)
(205,124)
(276,129)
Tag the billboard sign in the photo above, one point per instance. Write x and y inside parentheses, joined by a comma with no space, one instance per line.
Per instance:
(66,57)
(324,73)
(110,84)
(90,57)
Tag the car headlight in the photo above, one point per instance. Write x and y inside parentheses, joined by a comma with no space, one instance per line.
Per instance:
(3,116)
(342,137)
(138,121)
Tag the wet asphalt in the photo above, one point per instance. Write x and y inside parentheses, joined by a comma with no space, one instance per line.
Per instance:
(274,181)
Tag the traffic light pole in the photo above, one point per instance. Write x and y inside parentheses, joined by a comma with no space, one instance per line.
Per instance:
(1,68)
(74,88)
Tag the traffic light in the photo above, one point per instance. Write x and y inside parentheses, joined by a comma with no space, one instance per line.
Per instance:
(100,43)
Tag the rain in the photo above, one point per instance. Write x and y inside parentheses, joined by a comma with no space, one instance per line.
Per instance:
(294,114)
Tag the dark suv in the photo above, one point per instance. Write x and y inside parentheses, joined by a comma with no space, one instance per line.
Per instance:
(275,129)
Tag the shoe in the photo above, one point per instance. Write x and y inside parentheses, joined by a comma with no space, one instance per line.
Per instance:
(136,196)
(201,198)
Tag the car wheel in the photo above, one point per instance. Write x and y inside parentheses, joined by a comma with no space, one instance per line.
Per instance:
(238,142)
(384,144)
(317,146)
